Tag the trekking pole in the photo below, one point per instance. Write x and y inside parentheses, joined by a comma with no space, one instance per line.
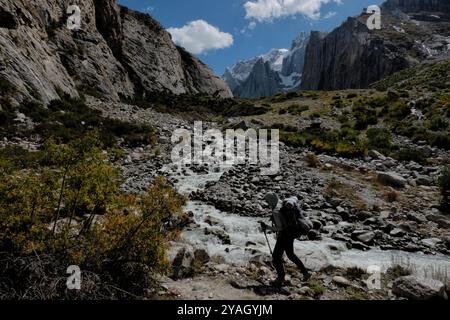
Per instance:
(268,243)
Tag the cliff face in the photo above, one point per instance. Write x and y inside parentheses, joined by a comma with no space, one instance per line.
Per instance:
(352,56)
(116,53)
(419,5)
(295,60)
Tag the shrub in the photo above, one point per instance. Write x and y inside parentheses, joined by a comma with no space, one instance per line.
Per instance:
(70,210)
(438,123)
(379,139)
(364,117)
(410,154)
(312,161)
(391,195)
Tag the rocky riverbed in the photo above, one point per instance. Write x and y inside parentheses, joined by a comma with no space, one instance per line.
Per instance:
(371,212)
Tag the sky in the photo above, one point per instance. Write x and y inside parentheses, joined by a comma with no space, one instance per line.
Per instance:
(222,32)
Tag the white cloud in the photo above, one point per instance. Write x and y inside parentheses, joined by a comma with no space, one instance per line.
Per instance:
(249,27)
(266,10)
(330,14)
(199,36)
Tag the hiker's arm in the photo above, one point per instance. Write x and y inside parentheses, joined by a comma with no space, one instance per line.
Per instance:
(265,227)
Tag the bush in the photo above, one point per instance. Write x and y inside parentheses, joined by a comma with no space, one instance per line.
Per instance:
(70,211)
(379,139)
(438,123)
(312,161)
(410,154)
(364,117)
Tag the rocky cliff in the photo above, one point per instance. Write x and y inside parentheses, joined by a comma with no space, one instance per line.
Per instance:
(352,56)
(262,82)
(419,5)
(117,53)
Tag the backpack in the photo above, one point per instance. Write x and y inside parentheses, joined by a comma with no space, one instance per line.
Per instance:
(293,221)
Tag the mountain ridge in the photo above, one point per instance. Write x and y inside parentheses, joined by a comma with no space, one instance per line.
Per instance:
(283,71)
(352,56)
(118,53)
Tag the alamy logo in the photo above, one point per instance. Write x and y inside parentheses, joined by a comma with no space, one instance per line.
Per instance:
(74,280)
(74,20)
(374,21)
(214,148)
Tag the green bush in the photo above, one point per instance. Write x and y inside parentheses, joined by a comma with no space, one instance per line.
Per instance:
(364,116)
(410,154)
(70,210)
(379,139)
(438,123)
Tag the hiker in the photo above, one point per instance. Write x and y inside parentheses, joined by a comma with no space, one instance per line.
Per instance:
(289,223)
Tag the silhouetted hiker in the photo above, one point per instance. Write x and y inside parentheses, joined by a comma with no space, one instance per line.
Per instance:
(289,223)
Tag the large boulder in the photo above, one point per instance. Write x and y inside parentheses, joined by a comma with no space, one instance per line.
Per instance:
(392,179)
(417,288)
(442,221)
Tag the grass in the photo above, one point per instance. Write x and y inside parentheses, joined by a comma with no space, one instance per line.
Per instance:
(316,289)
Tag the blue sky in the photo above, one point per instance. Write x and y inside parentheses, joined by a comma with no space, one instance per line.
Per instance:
(226,31)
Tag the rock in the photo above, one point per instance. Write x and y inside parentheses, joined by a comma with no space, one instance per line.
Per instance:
(219,233)
(441,220)
(417,288)
(341,281)
(424,181)
(360,246)
(366,237)
(183,262)
(201,256)
(392,179)
(117,52)
(397,232)
(431,242)
(212,221)
(375,155)
(244,283)
(261,260)
(241,125)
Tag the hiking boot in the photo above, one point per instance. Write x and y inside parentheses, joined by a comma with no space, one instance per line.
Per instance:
(307,276)
(278,283)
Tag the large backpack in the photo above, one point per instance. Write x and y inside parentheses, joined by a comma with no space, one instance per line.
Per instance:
(294,221)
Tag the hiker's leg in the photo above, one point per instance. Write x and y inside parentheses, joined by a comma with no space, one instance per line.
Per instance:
(278,257)
(291,255)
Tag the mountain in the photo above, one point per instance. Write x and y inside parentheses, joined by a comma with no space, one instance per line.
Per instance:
(282,72)
(118,53)
(262,81)
(352,56)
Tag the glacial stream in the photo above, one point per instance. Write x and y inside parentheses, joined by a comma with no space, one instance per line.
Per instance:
(246,239)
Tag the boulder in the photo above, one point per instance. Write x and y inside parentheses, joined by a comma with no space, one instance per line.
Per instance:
(375,155)
(441,220)
(397,232)
(364,236)
(341,281)
(182,263)
(201,256)
(424,181)
(392,179)
(431,242)
(417,288)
